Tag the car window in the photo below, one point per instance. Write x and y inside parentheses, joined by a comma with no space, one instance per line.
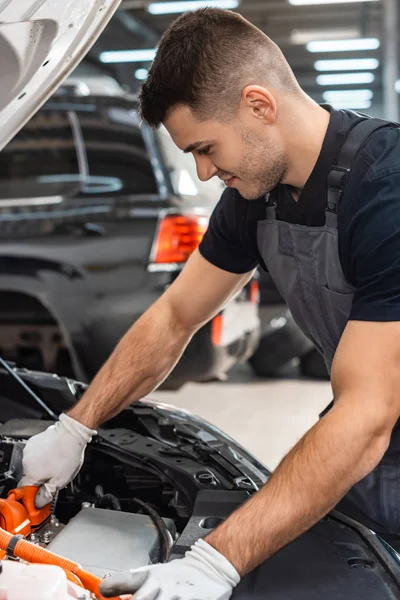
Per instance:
(41,161)
(118,161)
(41,165)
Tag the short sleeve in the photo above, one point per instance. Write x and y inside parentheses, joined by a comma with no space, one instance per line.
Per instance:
(224,243)
(371,249)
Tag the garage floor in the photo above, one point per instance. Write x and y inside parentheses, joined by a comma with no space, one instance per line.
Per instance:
(265,416)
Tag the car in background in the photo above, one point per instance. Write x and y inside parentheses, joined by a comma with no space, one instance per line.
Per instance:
(98,215)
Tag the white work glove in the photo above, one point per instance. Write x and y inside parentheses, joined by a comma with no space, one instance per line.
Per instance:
(52,458)
(203,574)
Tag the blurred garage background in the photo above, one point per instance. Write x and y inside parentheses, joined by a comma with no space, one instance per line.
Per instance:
(109,212)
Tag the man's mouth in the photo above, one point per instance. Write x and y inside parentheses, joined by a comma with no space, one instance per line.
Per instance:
(228,182)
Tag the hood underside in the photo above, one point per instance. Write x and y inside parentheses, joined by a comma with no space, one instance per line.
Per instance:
(41,42)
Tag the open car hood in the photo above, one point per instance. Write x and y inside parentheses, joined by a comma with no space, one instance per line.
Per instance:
(41,42)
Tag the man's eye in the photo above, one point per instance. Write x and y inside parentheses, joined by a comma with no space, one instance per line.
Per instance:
(204,151)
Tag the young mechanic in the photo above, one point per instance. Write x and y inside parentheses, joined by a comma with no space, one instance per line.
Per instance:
(225,93)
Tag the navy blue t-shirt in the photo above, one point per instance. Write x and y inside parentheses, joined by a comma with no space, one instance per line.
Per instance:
(368,219)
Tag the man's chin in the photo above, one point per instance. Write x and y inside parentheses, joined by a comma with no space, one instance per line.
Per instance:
(247,195)
(246,192)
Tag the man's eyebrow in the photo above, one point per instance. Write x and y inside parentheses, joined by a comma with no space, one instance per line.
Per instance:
(194,146)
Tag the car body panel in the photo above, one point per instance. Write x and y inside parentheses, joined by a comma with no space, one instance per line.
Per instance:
(41,42)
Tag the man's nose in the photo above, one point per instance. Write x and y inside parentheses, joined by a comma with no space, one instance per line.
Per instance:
(205,168)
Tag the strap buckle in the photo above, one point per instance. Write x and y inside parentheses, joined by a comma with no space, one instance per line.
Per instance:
(337,180)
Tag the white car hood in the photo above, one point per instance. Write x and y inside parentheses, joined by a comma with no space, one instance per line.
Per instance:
(41,42)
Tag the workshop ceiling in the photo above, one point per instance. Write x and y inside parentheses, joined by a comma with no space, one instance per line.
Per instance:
(290,26)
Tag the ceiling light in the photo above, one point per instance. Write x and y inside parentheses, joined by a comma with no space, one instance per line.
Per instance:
(345,78)
(347,95)
(343,45)
(141,74)
(121,56)
(348,64)
(355,105)
(397,86)
(303,36)
(305,2)
(169,8)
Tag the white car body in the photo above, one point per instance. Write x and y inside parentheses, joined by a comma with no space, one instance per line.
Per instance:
(41,42)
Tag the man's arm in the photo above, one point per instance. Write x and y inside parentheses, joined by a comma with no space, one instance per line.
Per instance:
(152,347)
(336,453)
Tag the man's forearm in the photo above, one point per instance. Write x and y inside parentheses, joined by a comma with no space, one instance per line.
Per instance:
(140,363)
(335,454)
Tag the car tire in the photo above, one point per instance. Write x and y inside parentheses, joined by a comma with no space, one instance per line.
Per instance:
(281,342)
(171,386)
(312,365)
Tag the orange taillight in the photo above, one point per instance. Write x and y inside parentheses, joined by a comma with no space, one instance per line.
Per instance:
(178,237)
(216,330)
(254,295)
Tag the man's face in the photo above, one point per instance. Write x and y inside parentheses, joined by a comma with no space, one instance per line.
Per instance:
(237,152)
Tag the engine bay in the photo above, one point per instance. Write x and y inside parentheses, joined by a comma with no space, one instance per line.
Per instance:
(132,504)
(85,511)
(84,525)
(154,480)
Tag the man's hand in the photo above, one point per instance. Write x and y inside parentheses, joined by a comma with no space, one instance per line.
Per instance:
(53,458)
(203,574)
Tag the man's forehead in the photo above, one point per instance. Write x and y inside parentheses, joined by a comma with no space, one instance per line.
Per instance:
(187,132)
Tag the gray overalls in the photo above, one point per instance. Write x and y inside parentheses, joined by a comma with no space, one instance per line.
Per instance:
(304,264)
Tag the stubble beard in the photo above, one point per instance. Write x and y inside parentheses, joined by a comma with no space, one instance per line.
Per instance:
(262,170)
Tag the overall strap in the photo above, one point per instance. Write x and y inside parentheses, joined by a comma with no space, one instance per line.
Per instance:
(339,173)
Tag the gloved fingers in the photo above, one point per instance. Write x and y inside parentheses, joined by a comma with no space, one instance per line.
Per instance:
(45,495)
(123,583)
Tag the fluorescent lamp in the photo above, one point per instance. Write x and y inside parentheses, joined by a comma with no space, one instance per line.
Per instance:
(343,45)
(303,36)
(347,95)
(347,64)
(353,104)
(397,86)
(141,74)
(345,78)
(307,2)
(122,56)
(169,8)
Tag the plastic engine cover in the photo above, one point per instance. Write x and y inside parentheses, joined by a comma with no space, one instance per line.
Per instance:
(29,582)
(107,541)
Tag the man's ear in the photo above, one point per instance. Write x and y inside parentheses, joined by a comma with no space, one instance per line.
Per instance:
(261,102)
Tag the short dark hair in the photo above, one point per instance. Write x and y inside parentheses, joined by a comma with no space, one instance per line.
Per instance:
(204,60)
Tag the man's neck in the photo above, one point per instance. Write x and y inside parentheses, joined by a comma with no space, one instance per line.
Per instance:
(304,143)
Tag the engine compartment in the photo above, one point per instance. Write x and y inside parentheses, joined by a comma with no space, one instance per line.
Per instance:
(102,521)
(143,490)
(154,480)
(97,520)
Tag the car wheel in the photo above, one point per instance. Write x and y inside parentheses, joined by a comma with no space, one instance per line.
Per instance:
(170,386)
(281,342)
(313,365)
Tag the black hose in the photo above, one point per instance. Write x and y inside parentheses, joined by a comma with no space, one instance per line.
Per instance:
(165,537)
(28,389)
